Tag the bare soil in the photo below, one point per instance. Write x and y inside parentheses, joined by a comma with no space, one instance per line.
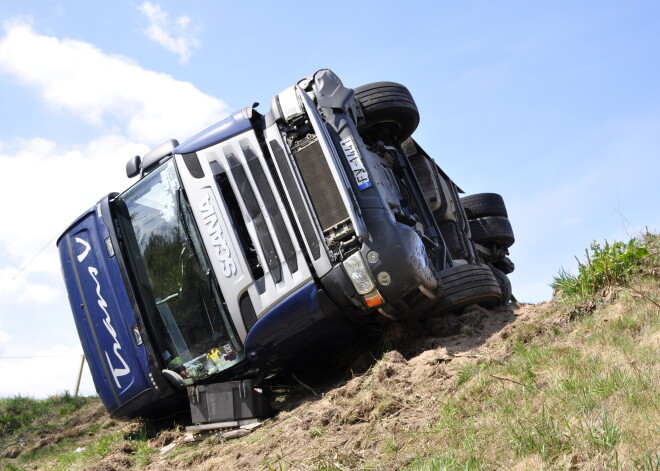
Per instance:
(363,414)
(358,410)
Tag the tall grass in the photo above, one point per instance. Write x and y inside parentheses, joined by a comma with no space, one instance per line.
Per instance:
(606,265)
(19,414)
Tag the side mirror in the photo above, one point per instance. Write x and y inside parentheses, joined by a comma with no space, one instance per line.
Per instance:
(133,166)
(154,156)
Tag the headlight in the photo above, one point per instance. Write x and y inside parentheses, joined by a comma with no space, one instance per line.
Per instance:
(358,273)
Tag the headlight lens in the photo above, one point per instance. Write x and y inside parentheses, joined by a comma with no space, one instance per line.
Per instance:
(358,273)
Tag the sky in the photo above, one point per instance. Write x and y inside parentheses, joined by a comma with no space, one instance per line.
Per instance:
(554,105)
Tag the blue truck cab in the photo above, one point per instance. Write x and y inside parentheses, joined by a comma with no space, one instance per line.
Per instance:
(258,237)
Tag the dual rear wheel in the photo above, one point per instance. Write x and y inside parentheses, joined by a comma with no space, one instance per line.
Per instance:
(490,227)
(390,114)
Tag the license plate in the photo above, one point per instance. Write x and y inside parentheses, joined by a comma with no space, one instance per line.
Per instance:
(355,161)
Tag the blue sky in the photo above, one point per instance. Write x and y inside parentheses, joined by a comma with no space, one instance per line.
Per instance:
(554,105)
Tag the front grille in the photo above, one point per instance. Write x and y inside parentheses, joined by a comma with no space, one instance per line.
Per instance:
(320,184)
(296,200)
(263,187)
(254,212)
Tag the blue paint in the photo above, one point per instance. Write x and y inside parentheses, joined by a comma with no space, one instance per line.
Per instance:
(102,312)
(294,323)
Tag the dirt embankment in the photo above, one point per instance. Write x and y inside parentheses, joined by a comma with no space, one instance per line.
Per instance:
(360,415)
(569,384)
(525,387)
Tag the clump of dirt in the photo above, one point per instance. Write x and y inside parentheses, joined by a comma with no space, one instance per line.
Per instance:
(164,438)
(11,452)
(119,459)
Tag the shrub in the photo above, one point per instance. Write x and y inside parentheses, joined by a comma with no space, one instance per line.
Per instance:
(606,265)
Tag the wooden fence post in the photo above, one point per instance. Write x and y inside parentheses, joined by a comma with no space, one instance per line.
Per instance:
(82,363)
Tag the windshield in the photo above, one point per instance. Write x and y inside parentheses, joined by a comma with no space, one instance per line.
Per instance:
(192,329)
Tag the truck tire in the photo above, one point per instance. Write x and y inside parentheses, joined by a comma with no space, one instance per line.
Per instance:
(454,239)
(505,285)
(389,110)
(505,265)
(483,204)
(465,285)
(492,229)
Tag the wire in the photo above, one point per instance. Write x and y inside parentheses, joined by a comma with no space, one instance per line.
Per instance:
(32,259)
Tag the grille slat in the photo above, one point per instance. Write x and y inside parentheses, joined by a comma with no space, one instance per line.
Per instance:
(263,187)
(254,212)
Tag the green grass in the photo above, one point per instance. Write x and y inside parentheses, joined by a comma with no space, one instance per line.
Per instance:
(25,422)
(579,406)
(446,462)
(572,394)
(20,415)
(606,265)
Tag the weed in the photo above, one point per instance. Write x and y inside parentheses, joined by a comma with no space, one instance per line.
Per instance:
(526,361)
(316,432)
(143,454)
(444,462)
(451,416)
(466,372)
(323,465)
(386,406)
(578,392)
(606,265)
(391,446)
(540,434)
(604,436)
(67,403)
(611,382)
(278,462)
(650,461)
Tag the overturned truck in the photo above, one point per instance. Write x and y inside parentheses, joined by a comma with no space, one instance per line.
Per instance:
(266,234)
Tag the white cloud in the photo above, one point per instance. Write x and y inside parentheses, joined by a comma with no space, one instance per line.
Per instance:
(49,371)
(19,291)
(5,337)
(63,182)
(34,312)
(177,37)
(104,89)
(45,185)
(132,105)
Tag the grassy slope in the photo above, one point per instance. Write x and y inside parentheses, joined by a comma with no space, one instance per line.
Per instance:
(571,384)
